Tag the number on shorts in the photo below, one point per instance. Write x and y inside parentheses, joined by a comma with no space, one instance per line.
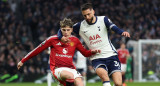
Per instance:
(78,72)
(116,63)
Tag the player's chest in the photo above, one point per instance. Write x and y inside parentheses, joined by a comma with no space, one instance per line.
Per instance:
(64,48)
(122,52)
(95,29)
(93,32)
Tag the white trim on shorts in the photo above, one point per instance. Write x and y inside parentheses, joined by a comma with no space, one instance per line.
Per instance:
(73,71)
(114,72)
(100,65)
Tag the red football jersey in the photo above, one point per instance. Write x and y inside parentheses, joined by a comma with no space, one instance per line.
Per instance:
(122,55)
(61,53)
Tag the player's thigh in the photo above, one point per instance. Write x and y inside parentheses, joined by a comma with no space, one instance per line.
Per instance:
(117,77)
(102,73)
(78,81)
(69,73)
(65,74)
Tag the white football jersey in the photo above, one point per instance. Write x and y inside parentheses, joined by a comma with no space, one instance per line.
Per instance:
(96,37)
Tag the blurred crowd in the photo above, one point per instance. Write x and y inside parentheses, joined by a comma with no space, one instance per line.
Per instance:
(26,23)
(151,54)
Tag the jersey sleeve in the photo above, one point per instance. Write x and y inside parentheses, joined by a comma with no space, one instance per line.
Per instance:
(84,51)
(76,28)
(45,44)
(59,34)
(112,26)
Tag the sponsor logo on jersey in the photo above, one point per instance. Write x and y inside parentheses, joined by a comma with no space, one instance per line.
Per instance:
(85,31)
(65,50)
(95,39)
(58,43)
(71,43)
(99,28)
(60,55)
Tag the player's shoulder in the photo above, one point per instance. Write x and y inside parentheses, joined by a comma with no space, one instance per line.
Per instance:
(126,50)
(74,38)
(77,24)
(118,50)
(101,16)
(54,37)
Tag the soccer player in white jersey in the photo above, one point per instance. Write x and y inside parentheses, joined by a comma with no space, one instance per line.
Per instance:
(94,30)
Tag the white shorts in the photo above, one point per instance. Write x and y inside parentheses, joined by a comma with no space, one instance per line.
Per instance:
(58,71)
(123,67)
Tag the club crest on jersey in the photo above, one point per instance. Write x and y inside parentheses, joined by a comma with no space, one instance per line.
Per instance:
(71,43)
(65,50)
(94,37)
(98,28)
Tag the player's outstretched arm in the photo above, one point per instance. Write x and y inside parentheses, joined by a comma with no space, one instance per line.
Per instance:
(19,65)
(126,34)
(94,51)
(45,44)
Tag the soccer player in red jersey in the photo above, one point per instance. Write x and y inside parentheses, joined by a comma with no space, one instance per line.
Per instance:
(123,54)
(61,56)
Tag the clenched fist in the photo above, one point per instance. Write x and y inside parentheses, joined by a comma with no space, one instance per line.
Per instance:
(19,65)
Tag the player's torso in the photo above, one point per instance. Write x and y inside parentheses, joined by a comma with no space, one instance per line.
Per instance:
(96,37)
(122,55)
(62,54)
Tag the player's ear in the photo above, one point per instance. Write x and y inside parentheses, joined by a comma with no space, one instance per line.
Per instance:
(93,11)
(72,29)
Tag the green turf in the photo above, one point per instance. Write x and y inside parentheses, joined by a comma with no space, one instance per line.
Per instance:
(88,84)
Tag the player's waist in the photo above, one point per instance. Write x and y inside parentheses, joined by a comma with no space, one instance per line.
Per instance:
(72,67)
(97,56)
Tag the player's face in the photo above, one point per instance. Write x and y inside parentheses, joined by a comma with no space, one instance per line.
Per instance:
(66,31)
(88,15)
(123,46)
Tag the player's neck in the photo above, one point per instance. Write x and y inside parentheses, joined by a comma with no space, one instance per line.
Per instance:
(94,19)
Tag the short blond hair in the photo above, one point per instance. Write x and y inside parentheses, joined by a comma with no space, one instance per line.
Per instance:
(66,22)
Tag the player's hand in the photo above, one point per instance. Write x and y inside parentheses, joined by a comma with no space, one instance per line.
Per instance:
(126,34)
(65,39)
(95,51)
(19,65)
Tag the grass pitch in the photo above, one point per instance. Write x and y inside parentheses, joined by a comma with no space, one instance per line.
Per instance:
(88,84)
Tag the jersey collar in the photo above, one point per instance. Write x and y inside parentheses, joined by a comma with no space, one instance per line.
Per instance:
(94,22)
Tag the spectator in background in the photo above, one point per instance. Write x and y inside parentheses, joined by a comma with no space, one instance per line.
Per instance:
(123,55)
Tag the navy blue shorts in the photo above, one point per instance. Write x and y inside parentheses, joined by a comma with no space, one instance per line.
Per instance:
(110,64)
